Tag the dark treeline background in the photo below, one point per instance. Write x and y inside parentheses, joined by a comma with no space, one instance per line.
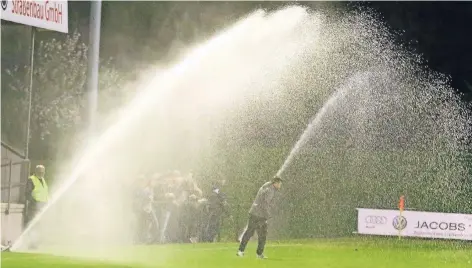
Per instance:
(136,35)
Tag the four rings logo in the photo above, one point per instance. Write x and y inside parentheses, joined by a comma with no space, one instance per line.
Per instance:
(399,222)
(4,4)
(375,219)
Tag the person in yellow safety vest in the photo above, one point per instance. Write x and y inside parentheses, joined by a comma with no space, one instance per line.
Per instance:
(37,192)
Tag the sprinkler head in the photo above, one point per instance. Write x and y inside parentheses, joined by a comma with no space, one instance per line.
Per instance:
(6,248)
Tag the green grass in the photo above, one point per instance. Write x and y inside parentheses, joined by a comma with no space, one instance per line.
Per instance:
(364,252)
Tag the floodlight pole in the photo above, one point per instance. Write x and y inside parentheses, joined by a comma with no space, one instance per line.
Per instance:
(28,126)
(93,64)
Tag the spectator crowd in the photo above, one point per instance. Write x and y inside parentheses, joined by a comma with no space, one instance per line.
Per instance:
(172,208)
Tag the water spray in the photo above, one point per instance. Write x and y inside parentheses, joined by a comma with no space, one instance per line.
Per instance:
(308,132)
(156,93)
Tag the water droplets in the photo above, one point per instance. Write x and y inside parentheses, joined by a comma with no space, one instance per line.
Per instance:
(379,125)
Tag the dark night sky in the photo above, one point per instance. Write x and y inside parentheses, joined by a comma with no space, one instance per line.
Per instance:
(440,31)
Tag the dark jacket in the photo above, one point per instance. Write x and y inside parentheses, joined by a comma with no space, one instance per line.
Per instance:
(217,202)
(263,201)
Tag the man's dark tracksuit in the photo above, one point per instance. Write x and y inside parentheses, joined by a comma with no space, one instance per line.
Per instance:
(258,215)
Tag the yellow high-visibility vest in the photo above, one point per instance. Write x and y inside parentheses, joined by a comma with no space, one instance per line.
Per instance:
(40,191)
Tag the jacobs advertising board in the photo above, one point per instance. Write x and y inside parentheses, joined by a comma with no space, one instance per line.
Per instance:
(414,224)
(51,15)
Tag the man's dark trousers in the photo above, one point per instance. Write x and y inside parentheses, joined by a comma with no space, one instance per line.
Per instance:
(255,224)
(213,228)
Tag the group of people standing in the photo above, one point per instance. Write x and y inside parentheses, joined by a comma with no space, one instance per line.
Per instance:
(171,208)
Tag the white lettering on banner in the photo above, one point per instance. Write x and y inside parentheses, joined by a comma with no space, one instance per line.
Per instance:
(51,15)
(414,224)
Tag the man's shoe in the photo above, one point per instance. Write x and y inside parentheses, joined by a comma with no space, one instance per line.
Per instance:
(261,256)
(240,254)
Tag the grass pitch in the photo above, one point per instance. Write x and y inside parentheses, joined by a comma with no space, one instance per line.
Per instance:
(362,252)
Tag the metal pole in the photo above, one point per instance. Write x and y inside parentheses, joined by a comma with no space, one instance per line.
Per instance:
(93,64)
(27,205)
(33,33)
(9,189)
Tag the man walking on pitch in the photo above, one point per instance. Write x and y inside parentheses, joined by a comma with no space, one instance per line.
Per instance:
(258,216)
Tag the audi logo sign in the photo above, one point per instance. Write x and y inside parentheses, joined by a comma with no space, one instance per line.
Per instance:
(372,219)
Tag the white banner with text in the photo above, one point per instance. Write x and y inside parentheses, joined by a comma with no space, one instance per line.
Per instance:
(414,224)
(51,15)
